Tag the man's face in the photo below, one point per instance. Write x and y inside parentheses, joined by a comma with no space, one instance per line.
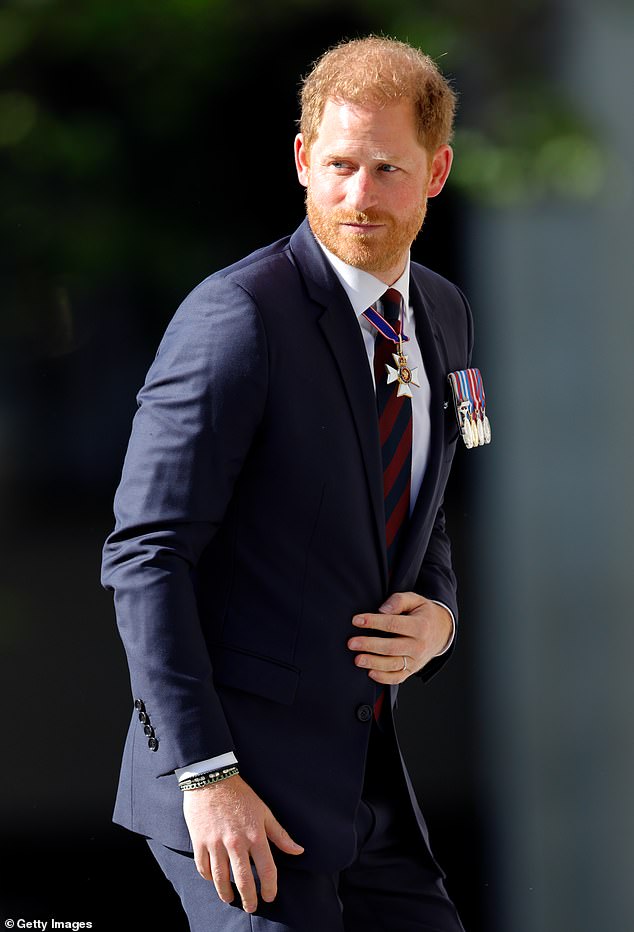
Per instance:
(367,181)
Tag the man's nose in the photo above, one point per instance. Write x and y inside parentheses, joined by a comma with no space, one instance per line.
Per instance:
(361,192)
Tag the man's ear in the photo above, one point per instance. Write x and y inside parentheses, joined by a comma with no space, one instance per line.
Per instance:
(440,168)
(301,160)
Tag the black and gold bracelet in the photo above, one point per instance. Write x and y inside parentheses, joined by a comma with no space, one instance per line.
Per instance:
(208,779)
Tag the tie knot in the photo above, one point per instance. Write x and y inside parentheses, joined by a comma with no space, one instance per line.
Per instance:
(391,303)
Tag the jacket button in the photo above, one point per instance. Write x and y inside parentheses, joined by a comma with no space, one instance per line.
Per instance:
(139,705)
(364,713)
(152,743)
(148,731)
(143,718)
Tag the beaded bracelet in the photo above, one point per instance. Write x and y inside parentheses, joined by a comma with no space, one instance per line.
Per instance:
(208,779)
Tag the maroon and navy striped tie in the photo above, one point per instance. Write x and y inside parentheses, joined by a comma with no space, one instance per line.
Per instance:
(395,430)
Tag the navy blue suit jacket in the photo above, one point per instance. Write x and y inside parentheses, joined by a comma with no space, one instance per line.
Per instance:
(250,529)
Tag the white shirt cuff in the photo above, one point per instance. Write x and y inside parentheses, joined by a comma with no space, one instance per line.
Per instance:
(453,630)
(206,766)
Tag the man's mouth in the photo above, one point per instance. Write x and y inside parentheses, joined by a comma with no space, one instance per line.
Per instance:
(361,227)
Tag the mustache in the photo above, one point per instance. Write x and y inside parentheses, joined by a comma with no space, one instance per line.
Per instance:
(361,216)
(345,215)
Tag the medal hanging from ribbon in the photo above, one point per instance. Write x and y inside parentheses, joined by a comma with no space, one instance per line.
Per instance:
(402,374)
(467,389)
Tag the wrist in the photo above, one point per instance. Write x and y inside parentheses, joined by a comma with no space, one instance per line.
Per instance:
(447,628)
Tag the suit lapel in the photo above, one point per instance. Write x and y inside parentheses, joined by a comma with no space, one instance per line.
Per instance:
(435,366)
(341,331)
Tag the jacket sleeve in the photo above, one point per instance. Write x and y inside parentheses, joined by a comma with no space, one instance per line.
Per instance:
(436,580)
(198,411)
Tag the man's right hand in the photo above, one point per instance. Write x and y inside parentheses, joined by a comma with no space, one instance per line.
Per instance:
(230,826)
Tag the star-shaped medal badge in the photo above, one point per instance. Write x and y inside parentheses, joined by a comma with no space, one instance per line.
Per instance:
(403,375)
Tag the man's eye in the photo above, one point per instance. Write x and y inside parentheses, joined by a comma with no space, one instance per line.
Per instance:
(387,168)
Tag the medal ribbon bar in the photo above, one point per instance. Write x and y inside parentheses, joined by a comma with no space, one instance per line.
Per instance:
(469,400)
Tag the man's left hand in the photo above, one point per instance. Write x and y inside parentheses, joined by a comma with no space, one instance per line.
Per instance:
(419,630)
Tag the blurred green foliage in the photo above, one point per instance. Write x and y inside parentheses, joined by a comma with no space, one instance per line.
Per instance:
(141,138)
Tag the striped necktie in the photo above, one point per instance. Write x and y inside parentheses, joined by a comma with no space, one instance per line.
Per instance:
(395,429)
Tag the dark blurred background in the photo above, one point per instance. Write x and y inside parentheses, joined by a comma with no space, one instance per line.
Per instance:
(144,144)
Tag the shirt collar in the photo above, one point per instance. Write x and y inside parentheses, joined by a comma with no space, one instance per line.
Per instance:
(364,289)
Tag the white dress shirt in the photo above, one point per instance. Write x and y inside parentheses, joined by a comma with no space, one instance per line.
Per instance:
(364,290)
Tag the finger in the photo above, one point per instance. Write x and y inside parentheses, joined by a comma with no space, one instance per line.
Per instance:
(280,837)
(266,871)
(243,879)
(381,664)
(389,679)
(385,647)
(392,624)
(400,602)
(201,860)
(221,876)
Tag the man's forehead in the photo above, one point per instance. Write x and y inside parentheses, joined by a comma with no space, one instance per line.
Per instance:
(346,125)
(365,105)
(367,114)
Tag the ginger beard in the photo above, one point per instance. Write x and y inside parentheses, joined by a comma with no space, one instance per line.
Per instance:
(376,252)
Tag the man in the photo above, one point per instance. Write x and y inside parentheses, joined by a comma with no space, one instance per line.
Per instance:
(280,562)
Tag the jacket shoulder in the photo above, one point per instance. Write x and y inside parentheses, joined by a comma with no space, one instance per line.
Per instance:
(437,287)
(254,270)
(446,304)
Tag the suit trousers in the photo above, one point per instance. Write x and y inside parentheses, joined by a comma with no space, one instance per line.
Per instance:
(393,884)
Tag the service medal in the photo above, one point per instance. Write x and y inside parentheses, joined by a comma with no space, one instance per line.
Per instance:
(480,432)
(470,405)
(402,374)
(464,424)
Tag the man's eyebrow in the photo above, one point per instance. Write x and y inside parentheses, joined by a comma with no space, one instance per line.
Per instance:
(377,157)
